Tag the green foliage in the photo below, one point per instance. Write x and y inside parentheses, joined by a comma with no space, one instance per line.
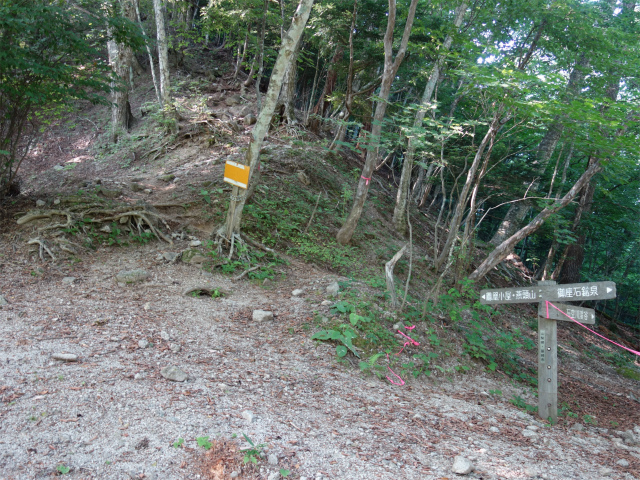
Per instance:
(178,443)
(63,469)
(629,372)
(247,259)
(202,442)
(420,365)
(252,453)
(344,336)
(371,365)
(519,402)
(50,53)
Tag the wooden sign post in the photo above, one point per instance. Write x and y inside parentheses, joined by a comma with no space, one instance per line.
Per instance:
(545,293)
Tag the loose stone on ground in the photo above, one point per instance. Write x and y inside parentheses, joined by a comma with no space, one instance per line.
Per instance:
(174,374)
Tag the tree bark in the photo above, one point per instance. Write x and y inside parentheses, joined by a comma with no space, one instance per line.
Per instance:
(285,106)
(120,57)
(320,110)
(146,44)
(391,66)
(263,31)
(260,129)
(399,212)
(163,53)
(574,256)
(502,250)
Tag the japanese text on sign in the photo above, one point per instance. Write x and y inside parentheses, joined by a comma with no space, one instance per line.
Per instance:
(580,315)
(591,291)
(511,295)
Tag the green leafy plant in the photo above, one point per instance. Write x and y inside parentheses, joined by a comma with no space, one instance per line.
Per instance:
(63,469)
(284,472)
(371,365)
(519,402)
(252,453)
(589,419)
(178,443)
(345,337)
(204,442)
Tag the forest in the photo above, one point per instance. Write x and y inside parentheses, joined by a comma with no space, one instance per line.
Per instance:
(270,239)
(512,124)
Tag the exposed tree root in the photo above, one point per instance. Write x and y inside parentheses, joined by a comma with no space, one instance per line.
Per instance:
(83,219)
(43,248)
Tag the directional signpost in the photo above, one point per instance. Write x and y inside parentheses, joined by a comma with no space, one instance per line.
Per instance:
(548,294)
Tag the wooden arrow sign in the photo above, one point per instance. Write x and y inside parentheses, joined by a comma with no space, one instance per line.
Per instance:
(539,293)
(583,315)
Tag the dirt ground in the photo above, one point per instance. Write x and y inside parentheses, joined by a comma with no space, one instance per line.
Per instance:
(111,414)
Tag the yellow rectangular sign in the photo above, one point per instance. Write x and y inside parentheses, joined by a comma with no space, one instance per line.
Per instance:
(236,174)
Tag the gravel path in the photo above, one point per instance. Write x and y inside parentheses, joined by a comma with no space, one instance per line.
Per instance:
(112,415)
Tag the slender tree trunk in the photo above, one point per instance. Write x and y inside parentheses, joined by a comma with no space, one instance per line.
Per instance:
(323,104)
(163,53)
(461,205)
(390,69)
(260,129)
(244,53)
(261,53)
(399,212)
(120,57)
(313,90)
(146,44)
(348,101)
(285,106)
(502,250)
(574,256)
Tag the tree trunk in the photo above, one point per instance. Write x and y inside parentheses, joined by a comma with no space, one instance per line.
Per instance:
(502,250)
(285,106)
(163,53)
(574,256)
(261,53)
(260,129)
(120,57)
(320,110)
(399,213)
(461,205)
(313,90)
(244,53)
(390,69)
(146,44)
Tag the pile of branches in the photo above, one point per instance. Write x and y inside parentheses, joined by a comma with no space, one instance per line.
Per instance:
(57,226)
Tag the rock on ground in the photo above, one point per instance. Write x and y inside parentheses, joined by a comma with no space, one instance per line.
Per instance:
(65,357)
(462,466)
(174,374)
(262,315)
(333,289)
(132,276)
